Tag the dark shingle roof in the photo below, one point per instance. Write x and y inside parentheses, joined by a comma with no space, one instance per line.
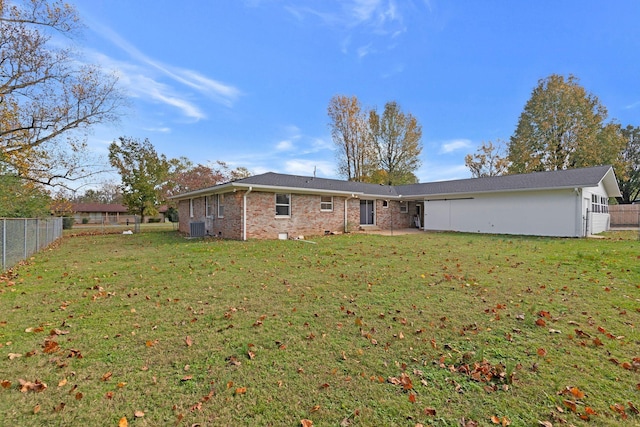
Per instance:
(307,182)
(573,178)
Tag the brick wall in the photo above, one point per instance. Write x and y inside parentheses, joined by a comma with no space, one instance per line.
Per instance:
(305,219)
(306,216)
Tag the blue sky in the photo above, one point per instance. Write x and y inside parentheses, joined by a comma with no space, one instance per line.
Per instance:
(248,82)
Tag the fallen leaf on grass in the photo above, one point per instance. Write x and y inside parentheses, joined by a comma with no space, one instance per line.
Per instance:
(109,395)
(430,411)
(316,408)
(241,390)
(306,423)
(14,356)
(106,376)
(60,407)
(188,341)
(36,386)
(79,396)
(50,346)
(36,409)
(542,352)
(138,414)
(545,424)
(123,422)
(7,383)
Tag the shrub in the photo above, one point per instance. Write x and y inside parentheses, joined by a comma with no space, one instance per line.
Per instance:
(67,223)
(85,220)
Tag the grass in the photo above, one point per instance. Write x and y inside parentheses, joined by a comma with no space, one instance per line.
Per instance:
(354,330)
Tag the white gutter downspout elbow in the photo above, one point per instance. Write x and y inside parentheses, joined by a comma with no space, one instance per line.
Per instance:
(244,214)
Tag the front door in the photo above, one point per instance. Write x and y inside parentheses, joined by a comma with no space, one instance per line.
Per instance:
(366,212)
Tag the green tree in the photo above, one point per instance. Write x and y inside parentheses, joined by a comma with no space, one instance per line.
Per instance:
(143,173)
(49,98)
(562,127)
(395,137)
(488,160)
(19,199)
(628,173)
(349,130)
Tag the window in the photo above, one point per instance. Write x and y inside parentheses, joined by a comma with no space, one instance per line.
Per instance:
(208,203)
(385,203)
(599,204)
(191,208)
(404,208)
(326,203)
(220,205)
(283,204)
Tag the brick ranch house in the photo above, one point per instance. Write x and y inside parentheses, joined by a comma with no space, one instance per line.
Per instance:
(567,203)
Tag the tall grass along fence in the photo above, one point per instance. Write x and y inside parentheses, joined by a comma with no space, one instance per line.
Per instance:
(22,237)
(625,215)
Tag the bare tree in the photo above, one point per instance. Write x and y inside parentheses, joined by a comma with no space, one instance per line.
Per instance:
(489,160)
(49,99)
(349,130)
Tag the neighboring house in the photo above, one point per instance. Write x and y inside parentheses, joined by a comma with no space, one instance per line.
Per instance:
(109,213)
(97,213)
(568,203)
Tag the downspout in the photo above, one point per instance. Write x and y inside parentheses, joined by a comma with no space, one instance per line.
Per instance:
(244,214)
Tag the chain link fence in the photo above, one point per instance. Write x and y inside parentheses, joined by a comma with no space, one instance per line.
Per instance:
(20,238)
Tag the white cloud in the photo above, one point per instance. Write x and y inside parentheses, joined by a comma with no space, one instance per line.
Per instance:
(142,77)
(284,145)
(632,106)
(307,167)
(454,145)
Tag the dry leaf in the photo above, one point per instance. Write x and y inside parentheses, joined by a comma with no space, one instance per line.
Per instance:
(123,422)
(14,356)
(106,376)
(138,414)
(430,411)
(315,408)
(36,386)
(62,382)
(241,390)
(188,341)
(306,423)
(36,409)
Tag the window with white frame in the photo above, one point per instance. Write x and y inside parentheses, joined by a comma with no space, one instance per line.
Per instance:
(404,207)
(599,204)
(220,205)
(283,204)
(385,203)
(208,205)
(326,203)
(190,208)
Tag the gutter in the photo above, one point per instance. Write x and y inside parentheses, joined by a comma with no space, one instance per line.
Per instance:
(244,213)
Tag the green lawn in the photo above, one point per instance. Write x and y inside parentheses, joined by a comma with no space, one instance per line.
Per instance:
(352,330)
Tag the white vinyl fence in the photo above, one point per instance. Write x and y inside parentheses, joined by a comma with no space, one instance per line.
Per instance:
(22,237)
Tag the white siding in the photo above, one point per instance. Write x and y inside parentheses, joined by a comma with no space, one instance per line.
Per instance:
(541,213)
